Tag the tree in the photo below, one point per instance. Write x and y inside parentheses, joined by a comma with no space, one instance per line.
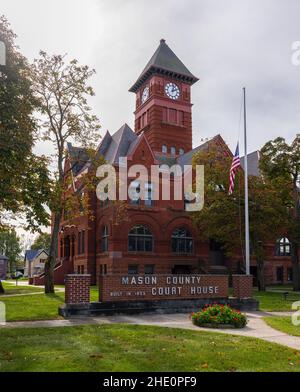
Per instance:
(42,241)
(10,246)
(280,162)
(24,176)
(62,90)
(222,217)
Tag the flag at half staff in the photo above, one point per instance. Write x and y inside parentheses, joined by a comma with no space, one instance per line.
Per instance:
(236,163)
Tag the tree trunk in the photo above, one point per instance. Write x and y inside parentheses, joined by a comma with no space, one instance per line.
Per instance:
(1,288)
(260,274)
(296,268)
(259,255)
(51,261)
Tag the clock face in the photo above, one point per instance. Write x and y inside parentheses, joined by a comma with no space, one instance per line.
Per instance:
(172,90)
(145,94)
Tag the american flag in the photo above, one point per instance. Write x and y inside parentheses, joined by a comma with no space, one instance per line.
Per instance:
(236,163)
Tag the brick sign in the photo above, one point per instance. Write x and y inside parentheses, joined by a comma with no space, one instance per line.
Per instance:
(161,287)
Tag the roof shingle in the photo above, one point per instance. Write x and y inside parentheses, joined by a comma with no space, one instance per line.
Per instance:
(31,254)
(164,61)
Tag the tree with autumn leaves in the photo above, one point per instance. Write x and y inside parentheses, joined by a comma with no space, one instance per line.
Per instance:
(48,101)
(222,217)
(62,90)
(280,163)
(25,180)
(24,176)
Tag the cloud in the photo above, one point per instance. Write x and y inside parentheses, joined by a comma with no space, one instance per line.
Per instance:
(227,44)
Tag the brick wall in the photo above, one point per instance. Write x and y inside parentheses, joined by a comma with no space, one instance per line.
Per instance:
(160,287)
(242,286)
(77,289)
(60,271)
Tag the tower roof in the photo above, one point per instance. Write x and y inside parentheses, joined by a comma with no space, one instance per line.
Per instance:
(164,61)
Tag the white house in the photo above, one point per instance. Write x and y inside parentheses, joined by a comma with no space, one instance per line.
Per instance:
(35,262)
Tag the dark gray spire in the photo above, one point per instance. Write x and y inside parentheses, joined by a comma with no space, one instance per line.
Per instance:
(164,61)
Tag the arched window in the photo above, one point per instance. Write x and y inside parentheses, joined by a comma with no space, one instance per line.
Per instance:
(173,150)
(164,149)
(140,239)
(182,241)
(283,247)
(181,151)
(104,239)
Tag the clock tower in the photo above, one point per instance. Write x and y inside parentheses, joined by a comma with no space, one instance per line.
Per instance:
(163,103)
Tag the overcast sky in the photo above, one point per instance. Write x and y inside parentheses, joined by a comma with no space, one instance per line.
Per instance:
(226,43)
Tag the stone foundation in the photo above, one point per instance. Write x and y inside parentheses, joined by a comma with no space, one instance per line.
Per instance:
(155,307)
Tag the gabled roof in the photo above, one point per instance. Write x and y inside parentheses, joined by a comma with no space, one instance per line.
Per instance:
(141,137)
(118,145)
(166,160)
(186,159)
(105,142)
(134,144)
(31,254)
(78,157)
(253,163)
(164,61)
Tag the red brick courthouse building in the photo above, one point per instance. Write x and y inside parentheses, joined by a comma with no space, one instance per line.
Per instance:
(158,236)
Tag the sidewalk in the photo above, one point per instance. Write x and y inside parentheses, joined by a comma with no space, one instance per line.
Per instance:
(256,327)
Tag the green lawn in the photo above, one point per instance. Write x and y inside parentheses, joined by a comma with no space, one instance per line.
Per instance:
(11,288)
(32,307)
(138,348)
(38,306)
(281,287)
(272,301)
(283,324)
(94,294)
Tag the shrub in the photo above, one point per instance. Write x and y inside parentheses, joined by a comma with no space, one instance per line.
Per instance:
(219,315)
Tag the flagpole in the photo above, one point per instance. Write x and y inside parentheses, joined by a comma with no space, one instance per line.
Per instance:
(247,243)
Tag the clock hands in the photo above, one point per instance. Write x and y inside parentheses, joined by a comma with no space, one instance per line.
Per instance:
(172,90)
